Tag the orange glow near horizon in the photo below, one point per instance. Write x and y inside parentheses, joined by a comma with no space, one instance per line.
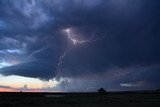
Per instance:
(18,82)
(14,90)
(7,90)
(15,83)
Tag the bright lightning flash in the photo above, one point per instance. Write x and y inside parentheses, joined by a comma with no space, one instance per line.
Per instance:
(75,42)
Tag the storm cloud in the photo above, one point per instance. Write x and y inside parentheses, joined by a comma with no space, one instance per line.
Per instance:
(32,40)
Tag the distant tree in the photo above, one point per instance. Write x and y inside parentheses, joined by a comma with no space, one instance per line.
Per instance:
(102,91)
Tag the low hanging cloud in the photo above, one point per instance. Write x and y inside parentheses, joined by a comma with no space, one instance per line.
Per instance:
(136,84)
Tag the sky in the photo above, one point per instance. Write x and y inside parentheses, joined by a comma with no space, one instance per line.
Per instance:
(79,45)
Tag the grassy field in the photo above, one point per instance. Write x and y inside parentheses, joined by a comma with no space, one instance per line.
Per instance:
(124,99)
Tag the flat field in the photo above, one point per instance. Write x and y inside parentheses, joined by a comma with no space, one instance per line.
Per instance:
(117,99)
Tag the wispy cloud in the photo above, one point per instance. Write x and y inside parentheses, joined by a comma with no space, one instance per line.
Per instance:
(135,84)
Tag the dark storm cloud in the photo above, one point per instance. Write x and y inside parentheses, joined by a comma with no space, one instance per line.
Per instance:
(35,27)
(132,36)
(42,70)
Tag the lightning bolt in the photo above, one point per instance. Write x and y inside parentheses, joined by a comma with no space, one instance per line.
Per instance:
(61,58)
(61,61)
(37,51)
(75,42)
